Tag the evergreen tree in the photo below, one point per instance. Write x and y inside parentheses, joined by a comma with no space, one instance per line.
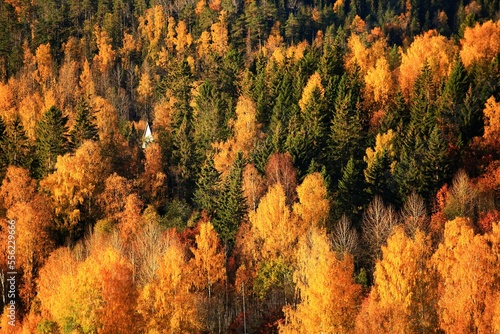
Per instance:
(347,133)
(207,187)
(51,141)
(85,127)
(349,200)
(379,178)
(231,207)
(17,145)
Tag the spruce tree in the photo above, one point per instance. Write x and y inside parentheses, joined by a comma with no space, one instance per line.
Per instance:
(207,187)
(231,207)
(17,145)
(349,199)
(347,131)
(85,127)
(51,141)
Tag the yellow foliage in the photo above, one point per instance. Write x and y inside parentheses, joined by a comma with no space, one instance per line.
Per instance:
(273,226)
(43,59)
(204,44)
(378,81)
(329,296)
(106,56)
(313,84)
(107,118)
(151,27)
(246,133)
(183,39)
(383,142)
(313,206)
(86,80)
(171,31)
(480,43)
(208,262)
(437,50)
(31,111)
(75,180)
(166,304)
(492,120)
(220,35)
(468,266)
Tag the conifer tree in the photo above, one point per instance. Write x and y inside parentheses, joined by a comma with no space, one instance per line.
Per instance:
(51,140)
(207,187)
(347,201)
(17,146)
(231,207)
(85,127)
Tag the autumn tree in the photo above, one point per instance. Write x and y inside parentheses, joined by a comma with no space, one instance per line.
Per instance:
(404,297)
(73,186)
(378,222)
(313,206)
(246,133)
(274,228)
(153,179)
(17,187)
(210,272)
(329,296)
(480,43)
(280,169)
(33,240)
(468,272)
(166,303)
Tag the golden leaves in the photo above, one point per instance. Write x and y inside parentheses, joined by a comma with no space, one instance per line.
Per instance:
(480,43)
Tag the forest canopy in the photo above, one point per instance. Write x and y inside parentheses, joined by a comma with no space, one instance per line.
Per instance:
(314,166)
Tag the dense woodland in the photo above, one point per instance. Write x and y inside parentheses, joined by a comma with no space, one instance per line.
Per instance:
(317,166)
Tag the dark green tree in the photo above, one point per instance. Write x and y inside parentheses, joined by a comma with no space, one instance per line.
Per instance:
(51,140)
(349,198)
(347,131)
(85,127)
(207,187)
(231,205)
(17,145)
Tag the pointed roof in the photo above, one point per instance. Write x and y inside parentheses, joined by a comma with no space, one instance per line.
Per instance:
(148,136)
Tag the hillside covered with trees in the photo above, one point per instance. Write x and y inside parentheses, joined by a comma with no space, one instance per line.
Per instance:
(316,166)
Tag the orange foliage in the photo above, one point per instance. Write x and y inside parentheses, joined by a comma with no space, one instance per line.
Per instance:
(17,187)
(437,50)
(329,296)
(480,43)
(273,227)
(246,133)
(220,35)
(468,269)
(492,121)
(405,293)
(106,56)
(313,206)
(166,303)
(208,262)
